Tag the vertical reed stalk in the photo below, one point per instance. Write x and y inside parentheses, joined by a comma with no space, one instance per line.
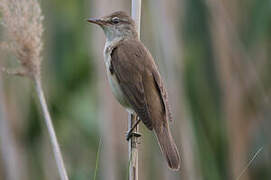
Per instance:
(133,141)
(133,151)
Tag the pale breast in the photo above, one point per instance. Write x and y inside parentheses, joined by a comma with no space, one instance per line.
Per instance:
(112,79)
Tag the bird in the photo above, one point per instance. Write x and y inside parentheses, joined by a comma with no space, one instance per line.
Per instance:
(135,80)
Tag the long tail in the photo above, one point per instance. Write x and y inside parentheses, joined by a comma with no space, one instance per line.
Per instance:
(168,147)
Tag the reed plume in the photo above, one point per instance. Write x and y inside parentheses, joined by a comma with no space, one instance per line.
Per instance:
(22,22)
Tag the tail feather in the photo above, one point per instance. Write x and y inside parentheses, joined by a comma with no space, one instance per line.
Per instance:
(168,147)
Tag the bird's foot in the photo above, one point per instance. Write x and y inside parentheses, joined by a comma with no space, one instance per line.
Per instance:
(130,134)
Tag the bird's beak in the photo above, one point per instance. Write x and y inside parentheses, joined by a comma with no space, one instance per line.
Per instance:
(96,21)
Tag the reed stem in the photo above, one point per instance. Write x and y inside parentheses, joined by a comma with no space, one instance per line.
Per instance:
(133,141)
(51,131)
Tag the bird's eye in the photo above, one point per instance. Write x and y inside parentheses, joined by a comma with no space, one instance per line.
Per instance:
(115,20)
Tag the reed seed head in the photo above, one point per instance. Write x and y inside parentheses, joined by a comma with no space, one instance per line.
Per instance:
(22,22)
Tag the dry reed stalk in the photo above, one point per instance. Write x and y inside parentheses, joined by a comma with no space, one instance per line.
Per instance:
(22,21)
(133,141)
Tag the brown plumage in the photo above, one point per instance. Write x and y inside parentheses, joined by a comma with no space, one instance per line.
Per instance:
(136,82)
(145,92)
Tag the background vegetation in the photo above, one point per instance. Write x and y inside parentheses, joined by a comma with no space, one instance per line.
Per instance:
(215,58)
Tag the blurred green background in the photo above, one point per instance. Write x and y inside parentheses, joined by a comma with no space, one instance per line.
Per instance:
(214,56)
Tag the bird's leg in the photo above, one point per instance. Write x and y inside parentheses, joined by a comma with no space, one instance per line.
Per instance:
(130,132)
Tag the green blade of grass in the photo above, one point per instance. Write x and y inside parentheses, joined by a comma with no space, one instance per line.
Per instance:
(97,159)
(249,163)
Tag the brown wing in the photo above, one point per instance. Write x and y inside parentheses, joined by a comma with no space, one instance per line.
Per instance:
(163,93)
(128,67)
(140,81)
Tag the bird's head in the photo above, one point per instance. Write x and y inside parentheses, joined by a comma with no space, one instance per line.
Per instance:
(116,25)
